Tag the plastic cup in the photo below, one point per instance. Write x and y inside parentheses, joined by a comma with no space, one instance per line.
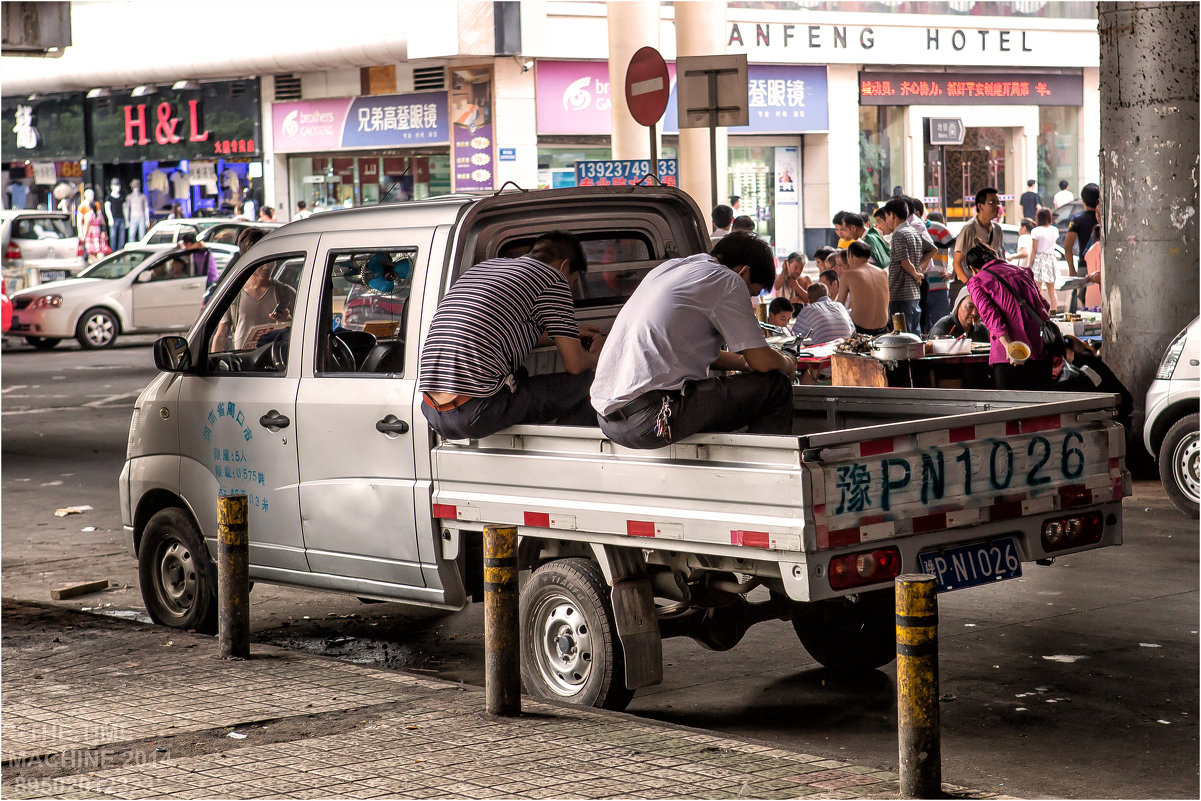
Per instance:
(1019,351)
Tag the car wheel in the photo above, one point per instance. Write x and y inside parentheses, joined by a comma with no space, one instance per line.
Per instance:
(179,580)
(569,646)
(97,328)
(1179,468)
(851,633)
(43,343)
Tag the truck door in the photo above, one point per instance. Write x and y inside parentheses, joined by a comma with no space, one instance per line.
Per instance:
(238,427)
(357,479)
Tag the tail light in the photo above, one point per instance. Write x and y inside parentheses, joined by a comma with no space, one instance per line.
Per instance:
(80,253)
(865,567)
(13,251)
(1072,532)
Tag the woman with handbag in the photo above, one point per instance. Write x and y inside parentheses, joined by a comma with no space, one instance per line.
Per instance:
(1013,311)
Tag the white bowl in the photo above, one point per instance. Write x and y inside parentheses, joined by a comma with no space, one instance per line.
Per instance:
(951,346)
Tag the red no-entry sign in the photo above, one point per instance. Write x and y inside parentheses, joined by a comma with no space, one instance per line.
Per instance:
(647,86)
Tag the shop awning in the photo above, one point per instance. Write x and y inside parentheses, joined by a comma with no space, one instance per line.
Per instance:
(115,46)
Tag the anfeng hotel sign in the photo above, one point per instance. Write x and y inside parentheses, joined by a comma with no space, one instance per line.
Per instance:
(958,89)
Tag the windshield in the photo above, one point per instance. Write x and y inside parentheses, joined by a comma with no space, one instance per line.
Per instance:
(117,265)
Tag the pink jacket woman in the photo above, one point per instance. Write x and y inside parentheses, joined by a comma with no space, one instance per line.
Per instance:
(1000,311)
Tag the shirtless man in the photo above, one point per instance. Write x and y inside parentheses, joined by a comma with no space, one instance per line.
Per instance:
(863,289)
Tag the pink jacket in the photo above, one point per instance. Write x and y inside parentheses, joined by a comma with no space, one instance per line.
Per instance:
(1000,311)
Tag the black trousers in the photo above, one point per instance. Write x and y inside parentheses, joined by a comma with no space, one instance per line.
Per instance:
(1033,375)
(762,402)
(558,397)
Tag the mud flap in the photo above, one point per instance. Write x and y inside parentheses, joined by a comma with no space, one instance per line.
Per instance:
(638,630)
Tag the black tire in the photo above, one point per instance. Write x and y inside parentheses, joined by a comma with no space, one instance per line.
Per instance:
(565,605)
(43,343)
(179,580)
(849,634)
(1178,464)
(97,328)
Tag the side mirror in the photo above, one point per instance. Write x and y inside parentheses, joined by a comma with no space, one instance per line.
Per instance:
(171,354)
(145,277)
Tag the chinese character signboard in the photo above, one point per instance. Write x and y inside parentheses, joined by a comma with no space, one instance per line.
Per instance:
(473,156)
(622,173)
(218,119)
(361,122)
(946,89)
(48,127)
(573,98)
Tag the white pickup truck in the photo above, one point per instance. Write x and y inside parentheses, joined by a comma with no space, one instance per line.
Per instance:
(311,412)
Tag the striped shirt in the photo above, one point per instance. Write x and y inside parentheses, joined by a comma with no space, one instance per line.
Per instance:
(488,322)
(905,245)
(828,319)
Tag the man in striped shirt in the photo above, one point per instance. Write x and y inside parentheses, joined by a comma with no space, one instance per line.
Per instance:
(824,319)
(471,375)
(904,277)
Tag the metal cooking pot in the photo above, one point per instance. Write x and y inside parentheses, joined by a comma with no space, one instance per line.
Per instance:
(898,347)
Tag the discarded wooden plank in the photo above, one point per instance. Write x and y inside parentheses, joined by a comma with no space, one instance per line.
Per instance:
(76,590)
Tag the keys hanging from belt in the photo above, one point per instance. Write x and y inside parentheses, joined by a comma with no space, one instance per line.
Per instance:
(663,419)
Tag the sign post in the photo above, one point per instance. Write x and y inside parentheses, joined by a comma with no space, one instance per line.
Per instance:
(713,91)
(945,131)
(647,90)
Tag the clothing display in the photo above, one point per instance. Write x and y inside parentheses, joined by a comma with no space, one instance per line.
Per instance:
(137,213)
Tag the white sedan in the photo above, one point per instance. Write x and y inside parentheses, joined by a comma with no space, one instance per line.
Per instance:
(138,290)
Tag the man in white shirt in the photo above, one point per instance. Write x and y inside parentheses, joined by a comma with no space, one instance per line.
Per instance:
(302,211)
(723,221)
(653,385)
(1063,196)
(823,318)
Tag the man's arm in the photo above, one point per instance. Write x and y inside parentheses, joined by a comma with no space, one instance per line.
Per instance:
(576,360)
(730,361)
(766,359)
(1069,250)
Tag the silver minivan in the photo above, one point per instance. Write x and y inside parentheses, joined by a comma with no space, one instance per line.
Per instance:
(39,246)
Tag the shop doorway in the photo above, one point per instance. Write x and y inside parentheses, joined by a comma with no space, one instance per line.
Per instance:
(982,160)
(767,181)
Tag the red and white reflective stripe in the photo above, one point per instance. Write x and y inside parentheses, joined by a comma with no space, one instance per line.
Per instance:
(646,528)
(751,539)
(549,520)
(446,511)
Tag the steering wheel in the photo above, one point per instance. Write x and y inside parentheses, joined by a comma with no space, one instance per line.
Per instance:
(279,353)
(340,354)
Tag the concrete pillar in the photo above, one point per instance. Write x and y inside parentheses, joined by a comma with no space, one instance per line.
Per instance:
(701,31)
(1149,169)
(633,24)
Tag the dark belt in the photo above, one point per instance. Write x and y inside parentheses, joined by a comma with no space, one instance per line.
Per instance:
(650,399)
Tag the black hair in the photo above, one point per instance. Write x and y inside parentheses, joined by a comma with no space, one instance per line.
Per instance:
(980,255)
(823,253)
(860,249)
(1090,195)
(300,204)
(187,237)
(1044,217)
(855,220)
(734,199)
(840,218)
(794,256)
(1063,184)
(559,245)
(723,215)
(897,207)
(829,275)
(739,248)
(917,206)
(248,236)
(816,292)
(743,223)
(982,195)
(778,305)
(878,213)
(1030,182)
(936,216)
(1028,223)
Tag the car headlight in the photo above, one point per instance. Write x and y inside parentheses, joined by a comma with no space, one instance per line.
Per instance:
(1170,357)
(47,302)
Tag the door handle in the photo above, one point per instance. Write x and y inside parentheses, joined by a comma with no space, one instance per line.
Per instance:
(392,425)
(274,420)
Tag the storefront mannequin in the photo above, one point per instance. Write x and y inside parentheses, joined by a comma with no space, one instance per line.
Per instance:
(137,211)
(114,213)
(84,210)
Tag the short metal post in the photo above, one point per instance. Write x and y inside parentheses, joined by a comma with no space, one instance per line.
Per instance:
(233,577)
(502,657)
(918,732)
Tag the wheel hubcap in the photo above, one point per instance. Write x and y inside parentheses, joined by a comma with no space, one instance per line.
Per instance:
(176,585)
(564,650)
(99,329)
(1187,462)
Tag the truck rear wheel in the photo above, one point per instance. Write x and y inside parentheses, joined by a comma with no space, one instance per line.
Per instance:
(1179,457)
(569,646)
(849,634)
(179,581)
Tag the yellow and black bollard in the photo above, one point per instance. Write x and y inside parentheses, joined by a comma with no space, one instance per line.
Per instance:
(917,686)
(233,577)
(502,657)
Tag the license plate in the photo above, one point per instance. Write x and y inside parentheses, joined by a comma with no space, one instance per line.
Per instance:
(974,564)
(53,275)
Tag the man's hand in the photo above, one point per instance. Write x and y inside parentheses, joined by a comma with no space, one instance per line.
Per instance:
(766,359)
(598,342)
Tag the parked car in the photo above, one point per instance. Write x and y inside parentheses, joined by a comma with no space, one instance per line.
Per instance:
(1170,427)
(39,246)
(134,291)
(168,232)
(1061,216)
(226,232)
(6,307)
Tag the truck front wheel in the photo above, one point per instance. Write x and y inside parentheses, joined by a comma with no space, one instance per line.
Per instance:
(179,581)
(849,633)
(569,646)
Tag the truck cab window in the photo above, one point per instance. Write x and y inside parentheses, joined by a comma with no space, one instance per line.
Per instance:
(256,319)
(364,311)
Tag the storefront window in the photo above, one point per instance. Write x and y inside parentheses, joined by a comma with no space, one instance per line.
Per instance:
(343,181)
(1058,129)
(881,153)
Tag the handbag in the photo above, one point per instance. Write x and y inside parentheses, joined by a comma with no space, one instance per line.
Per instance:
(1049,333)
